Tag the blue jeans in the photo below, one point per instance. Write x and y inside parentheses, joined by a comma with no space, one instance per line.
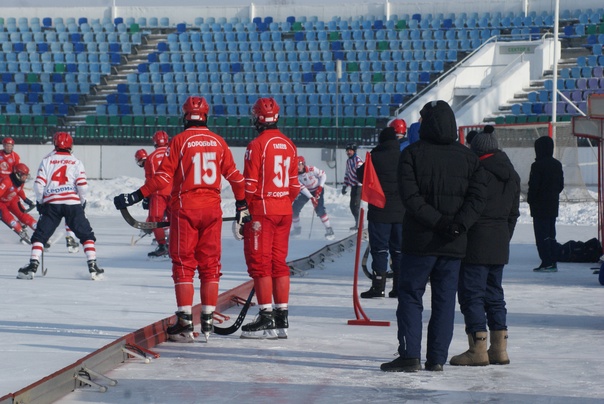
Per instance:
(385,238)
(415,271)
(480,293)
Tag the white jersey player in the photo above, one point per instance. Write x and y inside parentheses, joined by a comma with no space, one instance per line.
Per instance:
(312,180)
(60,187)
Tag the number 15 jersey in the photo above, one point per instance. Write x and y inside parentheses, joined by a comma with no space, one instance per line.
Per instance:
(195,162)
(271,174)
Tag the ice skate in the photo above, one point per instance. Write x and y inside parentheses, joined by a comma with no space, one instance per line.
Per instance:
(182,331)
(296,231)
(207,324)
(72,245)
(281,323)
(160,251)
(263,327)
(329,234)
(354,228)
(96,273)
(28,271)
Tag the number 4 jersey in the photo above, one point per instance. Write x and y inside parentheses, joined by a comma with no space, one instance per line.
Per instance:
(61,178)
(271,174)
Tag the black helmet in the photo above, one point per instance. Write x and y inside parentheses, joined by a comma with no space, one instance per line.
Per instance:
(351,146)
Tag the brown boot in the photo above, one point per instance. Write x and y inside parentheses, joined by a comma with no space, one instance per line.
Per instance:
(476,355)
(498,350)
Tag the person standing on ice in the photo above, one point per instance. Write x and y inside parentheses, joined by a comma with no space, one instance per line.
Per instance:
(271,185)
(159,201)
(546,182)
(443,191)
(351,180)
(61,187)
(195,162)
(312,179)
(385,225)
(480,291)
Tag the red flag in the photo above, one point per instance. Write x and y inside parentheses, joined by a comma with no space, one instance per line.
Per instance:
(372,191)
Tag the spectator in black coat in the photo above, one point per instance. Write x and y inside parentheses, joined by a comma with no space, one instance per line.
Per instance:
(443,190)
(385,224)
(480,292)
(546,181)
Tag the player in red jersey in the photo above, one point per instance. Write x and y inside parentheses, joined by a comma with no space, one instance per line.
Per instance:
(8,157)
(11,211)
(271,185)
(195,161)
(159,200)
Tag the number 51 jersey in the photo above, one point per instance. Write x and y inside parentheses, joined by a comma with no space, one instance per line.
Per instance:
(271,174)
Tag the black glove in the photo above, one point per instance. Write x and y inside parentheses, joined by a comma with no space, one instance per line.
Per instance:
(243,213)
(146,203)
(344,190)
(84,205)
(448,229)
(122,201)
(42,208)
(29,202)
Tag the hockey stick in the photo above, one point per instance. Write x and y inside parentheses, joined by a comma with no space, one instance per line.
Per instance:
(153,225)
(368,274)
(311,222)
(44,269)
(235,326)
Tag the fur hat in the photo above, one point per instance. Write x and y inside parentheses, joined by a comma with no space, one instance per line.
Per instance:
(484,143)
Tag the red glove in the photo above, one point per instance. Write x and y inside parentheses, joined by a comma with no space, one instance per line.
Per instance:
(315,202)
(318,192)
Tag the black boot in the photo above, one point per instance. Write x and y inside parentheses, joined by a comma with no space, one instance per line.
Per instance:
(394,291)
(378,284)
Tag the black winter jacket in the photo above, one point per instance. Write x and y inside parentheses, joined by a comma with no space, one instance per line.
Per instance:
(546,180)
(438,177)
(489,238)
(385,161)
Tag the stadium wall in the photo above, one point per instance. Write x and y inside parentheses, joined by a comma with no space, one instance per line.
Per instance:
(108,162)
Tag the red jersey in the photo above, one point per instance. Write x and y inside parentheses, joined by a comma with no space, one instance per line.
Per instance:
(271,174)
(7,162)
(194,163)
(152,165)
(8,190)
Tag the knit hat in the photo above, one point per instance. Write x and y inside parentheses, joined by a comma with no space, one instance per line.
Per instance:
(484,143)
(387,134)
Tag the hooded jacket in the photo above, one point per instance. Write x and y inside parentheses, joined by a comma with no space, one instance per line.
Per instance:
(438,179)
(546,180)
(489,238)
(385,161)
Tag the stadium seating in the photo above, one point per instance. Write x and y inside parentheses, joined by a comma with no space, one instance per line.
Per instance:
(53,71)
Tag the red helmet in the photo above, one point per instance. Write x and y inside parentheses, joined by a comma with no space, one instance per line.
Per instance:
(21,170)
(140,156)
(399,125)
(301,160)
(63,140)
(160,139)
(8,140)
(265,111)
(196,109)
